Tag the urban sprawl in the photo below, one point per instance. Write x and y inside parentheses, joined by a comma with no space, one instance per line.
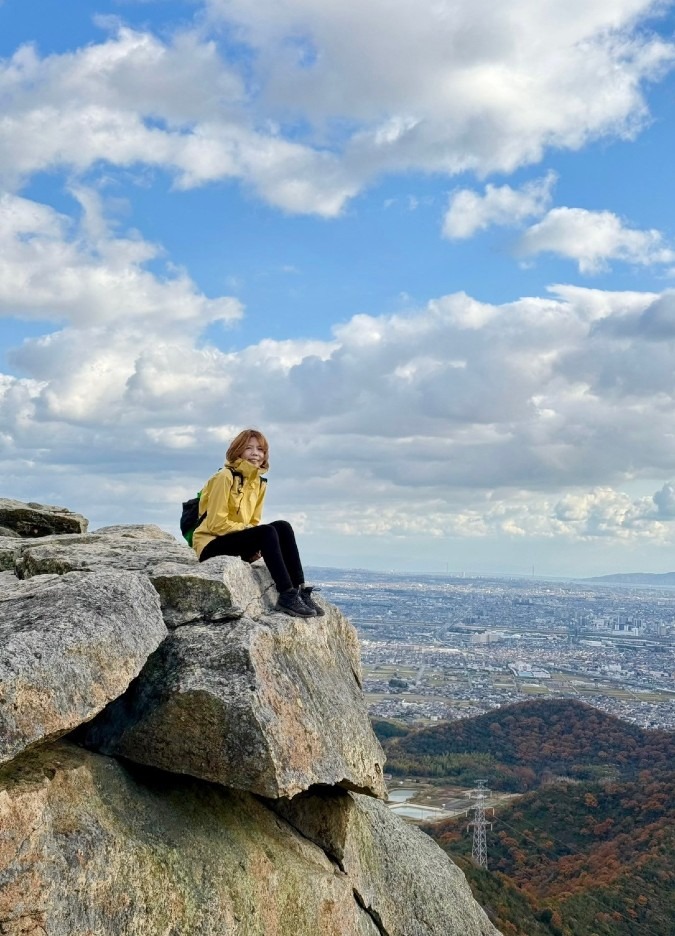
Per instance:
(442,648)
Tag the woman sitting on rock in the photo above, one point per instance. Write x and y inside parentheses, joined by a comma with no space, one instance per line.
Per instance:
(232,502)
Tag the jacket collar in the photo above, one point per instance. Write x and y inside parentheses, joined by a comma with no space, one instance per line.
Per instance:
(248,470)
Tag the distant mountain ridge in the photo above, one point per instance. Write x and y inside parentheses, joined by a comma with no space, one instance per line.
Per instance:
(664,579)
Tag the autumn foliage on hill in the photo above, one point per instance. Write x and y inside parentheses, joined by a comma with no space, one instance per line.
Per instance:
(521,746)
(578,860)
(590,850)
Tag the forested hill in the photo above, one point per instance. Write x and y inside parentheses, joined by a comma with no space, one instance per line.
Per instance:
(522,745)
(578,860)
(590,850)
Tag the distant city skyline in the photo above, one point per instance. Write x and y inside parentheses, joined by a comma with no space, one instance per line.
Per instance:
(428,249)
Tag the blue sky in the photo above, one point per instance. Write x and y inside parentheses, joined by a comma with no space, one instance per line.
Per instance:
(428,248)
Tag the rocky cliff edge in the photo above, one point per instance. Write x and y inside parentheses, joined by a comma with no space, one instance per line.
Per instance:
(177,759)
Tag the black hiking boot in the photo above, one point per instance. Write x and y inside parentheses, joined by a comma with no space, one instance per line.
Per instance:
(306,596)
(290,602)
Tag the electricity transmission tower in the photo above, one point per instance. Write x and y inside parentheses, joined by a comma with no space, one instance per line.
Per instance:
(479,795)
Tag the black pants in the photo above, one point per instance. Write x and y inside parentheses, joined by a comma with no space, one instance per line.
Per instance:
(276,542)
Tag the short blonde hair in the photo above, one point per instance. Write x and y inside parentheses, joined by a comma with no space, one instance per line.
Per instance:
(239,443)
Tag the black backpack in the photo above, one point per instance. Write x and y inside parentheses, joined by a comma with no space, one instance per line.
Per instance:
(190,518)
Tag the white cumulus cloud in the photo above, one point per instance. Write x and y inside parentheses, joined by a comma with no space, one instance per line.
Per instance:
(469,212)
(459,419)
(333,95)
(53,268)
(135,99)
(593,239)
(604,512)
(450,87)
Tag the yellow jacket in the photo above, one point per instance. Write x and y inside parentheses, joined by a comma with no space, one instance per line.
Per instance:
(229,503)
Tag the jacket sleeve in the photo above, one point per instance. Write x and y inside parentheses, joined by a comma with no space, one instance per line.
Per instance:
(257,513)
(221,515)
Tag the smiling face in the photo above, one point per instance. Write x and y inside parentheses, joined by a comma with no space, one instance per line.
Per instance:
(254,452)
(252,446)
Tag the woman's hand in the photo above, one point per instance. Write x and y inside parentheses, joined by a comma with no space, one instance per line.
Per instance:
(253,558)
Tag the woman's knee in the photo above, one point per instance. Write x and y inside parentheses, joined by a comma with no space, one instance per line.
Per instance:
(283,527)
(267,535)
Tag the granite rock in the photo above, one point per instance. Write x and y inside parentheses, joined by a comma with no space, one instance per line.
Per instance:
(88,846)
(143,531)
(220,589)
(382,855)
(11,548)
(100,551)
(68,646)
(261,703)
(39,519)
(269,705)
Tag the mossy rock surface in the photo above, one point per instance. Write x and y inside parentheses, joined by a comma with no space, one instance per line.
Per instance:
(89,846)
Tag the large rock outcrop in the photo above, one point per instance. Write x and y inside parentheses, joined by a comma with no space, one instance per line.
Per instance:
(214,701)
(68,646)
(271,705)
(38,519)
(222,589)
(58,554)
(90,847)
(377,851)
(263,702)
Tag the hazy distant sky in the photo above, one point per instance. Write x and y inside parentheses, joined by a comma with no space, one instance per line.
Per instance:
(428,246)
